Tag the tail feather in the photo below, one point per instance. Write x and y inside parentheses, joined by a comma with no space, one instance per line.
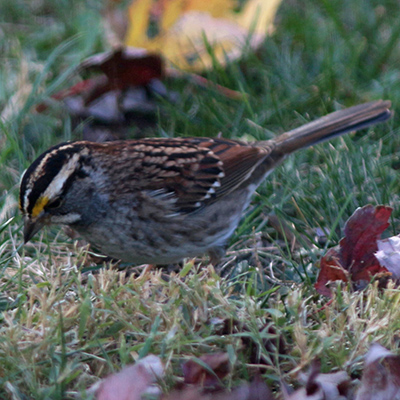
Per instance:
(334,124)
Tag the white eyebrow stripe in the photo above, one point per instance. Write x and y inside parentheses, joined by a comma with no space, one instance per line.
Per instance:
(27,193)
(59,180)
(39,171)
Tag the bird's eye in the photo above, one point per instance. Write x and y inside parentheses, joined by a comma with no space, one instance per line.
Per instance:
(54,204)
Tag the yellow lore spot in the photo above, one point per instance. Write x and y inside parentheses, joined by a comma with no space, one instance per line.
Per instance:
(39,206)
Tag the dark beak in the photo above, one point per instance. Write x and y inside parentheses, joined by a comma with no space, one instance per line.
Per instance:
(31,227)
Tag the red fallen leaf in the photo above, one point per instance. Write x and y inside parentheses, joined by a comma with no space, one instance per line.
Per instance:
(381,377)
(207,370)
(123,67)
(354,258)
(330,270)
(362,231)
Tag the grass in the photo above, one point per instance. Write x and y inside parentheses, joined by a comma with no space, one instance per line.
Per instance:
(65,324)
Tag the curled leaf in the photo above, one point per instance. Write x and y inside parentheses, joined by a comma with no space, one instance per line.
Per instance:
(354,259)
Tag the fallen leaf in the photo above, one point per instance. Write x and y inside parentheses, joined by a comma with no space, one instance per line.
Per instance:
(123,68)
(255,390)
(258,390)
(330,270)
(121,96)
(388,255)
(358,247)
(381,377)
(132,382)
(193,34)
(354,259)
(317,386)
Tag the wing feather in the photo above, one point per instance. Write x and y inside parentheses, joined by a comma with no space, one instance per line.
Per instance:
(194,171)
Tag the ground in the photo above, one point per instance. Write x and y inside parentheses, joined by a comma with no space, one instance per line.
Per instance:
(67,322)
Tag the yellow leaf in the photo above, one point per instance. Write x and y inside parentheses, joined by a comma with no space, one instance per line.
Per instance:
(216,8)
(139,13)
(175,9)
(258,12)
(183,26)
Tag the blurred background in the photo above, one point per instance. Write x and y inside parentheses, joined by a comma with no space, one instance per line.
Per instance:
(106,70)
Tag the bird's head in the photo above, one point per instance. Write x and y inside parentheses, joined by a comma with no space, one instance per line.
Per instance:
(46,186)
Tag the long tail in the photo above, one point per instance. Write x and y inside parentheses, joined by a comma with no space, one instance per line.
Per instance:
(334,124)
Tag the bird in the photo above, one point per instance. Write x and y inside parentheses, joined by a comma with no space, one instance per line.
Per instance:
(160,200)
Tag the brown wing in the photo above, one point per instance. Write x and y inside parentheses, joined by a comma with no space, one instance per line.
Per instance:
(192,172)
(239,160)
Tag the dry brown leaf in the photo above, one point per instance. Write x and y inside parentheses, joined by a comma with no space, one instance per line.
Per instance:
(381,377)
